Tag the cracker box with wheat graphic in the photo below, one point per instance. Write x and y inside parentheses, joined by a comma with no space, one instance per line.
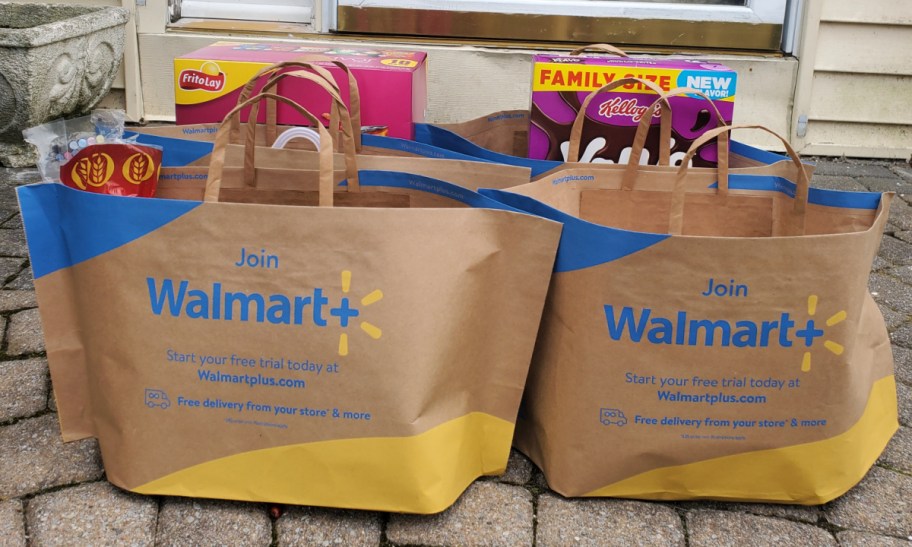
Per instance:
(120,169)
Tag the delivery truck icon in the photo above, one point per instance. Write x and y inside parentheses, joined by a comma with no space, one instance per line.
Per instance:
(157,398)
(614,416)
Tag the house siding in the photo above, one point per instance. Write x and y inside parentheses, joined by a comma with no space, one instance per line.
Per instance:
(857,79)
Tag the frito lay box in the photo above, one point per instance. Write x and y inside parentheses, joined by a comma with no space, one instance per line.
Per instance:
(392,83)
(561,83)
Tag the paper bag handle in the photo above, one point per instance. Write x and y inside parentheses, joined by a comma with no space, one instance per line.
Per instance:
(223,135)
(799,207)
(639,140)
(604,48)
(247,90)
(334,120)
(576,132)
(354,101)
(351,169)
(271,111)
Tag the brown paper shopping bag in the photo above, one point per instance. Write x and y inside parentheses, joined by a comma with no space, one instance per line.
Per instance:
(708,342)
(350,357)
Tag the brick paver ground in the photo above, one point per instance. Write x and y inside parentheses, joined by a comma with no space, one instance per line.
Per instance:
(55,493)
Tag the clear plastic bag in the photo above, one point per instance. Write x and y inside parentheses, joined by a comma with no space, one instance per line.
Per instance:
(58,141)
(91,154)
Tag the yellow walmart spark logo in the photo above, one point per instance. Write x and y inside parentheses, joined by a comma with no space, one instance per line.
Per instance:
(346,312)
(810,332)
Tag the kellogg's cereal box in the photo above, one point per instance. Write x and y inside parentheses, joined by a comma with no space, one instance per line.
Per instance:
(392,83)
(561,83)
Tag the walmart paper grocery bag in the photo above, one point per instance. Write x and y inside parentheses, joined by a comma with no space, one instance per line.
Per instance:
(720,345)
(349,357)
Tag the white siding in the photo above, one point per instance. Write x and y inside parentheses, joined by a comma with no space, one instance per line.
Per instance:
(855,82)
(842,96)
(864,48)
(866,140)
(888,12)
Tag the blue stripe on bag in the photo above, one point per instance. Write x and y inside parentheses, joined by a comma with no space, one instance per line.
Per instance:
(58,239)
(817,196)
(392,179)
(444,138)
(181,152)
(176,152)
(763,156)
(417,148)
(582,244)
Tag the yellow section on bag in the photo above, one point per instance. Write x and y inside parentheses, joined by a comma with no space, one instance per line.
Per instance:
(200,81)
(420,474)
(772,475)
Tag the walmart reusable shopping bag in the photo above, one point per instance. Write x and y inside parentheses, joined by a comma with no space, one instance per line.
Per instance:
(359,357)
(708,340)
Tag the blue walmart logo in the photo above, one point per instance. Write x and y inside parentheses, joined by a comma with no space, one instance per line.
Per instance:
(214,302)
(644,325)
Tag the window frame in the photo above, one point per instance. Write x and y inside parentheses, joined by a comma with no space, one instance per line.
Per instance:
(758,26)
(284,11)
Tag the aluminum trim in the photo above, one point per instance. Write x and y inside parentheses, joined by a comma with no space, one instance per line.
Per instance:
(559,28)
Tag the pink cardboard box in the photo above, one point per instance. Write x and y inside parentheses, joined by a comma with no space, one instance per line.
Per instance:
(561,83)
(392,83)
